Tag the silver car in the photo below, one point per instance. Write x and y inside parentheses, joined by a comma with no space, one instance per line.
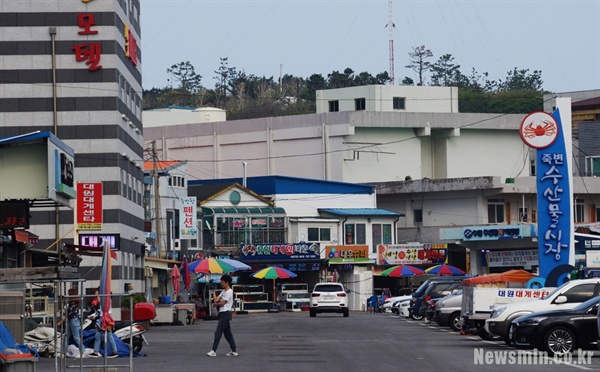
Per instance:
(447,310)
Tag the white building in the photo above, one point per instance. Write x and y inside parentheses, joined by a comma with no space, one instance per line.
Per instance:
(176,115)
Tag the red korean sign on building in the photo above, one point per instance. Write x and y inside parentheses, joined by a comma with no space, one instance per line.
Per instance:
(88,51)
(89,206)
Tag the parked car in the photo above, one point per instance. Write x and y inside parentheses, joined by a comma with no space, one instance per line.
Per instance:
(388,305)
(565,297)
(447,311)
(328,298)
(417,297)
(403,308)
(558,331)
(436,290)
(430,312)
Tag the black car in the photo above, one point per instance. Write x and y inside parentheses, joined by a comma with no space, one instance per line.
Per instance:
(417,299)
(558,331)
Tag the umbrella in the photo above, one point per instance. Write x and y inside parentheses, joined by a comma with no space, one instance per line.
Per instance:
(210,266)
(175,275)
(402,270)
(444,270)
(185,274)
(105,287)
(237,265)
(273,272)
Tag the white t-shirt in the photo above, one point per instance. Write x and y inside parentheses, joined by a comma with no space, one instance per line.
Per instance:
(227,296)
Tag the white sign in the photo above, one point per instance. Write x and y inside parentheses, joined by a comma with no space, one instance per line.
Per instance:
(539,130)
(187,218)
(592,259)
(512,258)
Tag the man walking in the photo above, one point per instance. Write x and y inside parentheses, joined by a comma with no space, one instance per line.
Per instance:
(224,303)
(73,320)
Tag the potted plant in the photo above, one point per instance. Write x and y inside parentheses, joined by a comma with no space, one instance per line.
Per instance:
(126,306)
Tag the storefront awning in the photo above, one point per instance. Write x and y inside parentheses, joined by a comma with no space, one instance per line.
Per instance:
(243,210)
(25,236)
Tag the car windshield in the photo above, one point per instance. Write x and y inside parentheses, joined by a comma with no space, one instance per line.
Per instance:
(588,304)
(328,288)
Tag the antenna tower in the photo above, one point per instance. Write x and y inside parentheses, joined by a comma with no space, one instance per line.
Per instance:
(391,27)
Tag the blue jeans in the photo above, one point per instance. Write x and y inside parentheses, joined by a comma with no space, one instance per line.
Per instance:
(99,337)
(74,329)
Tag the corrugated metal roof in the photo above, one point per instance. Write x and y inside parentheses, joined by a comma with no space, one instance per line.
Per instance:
(359,212)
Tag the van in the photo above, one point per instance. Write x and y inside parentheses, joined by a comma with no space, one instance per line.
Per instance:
(565,297)
(417,297)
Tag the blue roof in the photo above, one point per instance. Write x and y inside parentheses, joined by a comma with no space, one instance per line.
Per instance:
(360,212)
(37,135)
(272,185)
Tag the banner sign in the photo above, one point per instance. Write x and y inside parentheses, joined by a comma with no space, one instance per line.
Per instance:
(411,254)
(547,134)
(98,240)
(347,253)
(292,251)
(512,258)
(89,206)
(187,218)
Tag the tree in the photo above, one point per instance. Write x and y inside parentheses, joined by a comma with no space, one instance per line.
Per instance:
(407,81)
(188,79)
(418,62)
(444,72)
(224,75)
(340,80)
(521,80)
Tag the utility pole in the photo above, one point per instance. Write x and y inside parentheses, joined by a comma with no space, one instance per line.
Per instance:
(158,221)
(391,27)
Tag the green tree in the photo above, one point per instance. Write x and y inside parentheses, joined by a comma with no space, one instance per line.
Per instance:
(188,79)
(340,80)
(444,72)
(419,63)
(522,80)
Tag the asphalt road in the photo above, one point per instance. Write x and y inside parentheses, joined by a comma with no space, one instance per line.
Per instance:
(295,342)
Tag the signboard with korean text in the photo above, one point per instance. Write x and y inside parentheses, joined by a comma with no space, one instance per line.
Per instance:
(347,254)
(528,257)
(90,48)
(291,251)
(550,135)
(14,214)
(89,206)
(98,240)
(411,254)
(188,228)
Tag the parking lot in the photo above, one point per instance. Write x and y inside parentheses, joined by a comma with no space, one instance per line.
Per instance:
(295,342)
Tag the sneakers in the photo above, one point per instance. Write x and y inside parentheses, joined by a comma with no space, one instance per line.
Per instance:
(113,355)
(211,353)
(94,355)
(232,353)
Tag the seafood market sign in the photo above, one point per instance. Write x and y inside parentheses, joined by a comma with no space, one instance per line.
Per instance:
(550,135)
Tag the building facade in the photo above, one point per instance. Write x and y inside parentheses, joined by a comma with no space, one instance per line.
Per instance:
(73,68)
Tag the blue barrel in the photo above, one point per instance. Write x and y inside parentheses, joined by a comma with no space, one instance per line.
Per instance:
(161,299)
(167,300)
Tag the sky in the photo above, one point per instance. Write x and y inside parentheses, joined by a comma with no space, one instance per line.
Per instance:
(306,37)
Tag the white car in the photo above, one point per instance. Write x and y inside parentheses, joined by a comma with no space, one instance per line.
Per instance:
(390,303)
(403,308)
(328,298)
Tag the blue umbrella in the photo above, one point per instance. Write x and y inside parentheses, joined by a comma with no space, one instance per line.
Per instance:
(444,270)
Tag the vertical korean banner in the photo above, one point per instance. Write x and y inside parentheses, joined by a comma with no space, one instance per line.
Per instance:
(89,206)
(550,135)
(187,218)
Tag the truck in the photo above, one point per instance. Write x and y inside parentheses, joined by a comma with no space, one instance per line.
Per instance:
(482,294)
(293,296)
(565,297)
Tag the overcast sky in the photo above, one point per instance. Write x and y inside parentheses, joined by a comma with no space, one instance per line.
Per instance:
(560,38)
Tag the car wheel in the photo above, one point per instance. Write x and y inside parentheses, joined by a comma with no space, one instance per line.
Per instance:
(346,313)
(559,340)
(454,321)
(416,317)
(313,313)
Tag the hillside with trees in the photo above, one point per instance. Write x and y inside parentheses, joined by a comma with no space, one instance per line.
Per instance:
(246,96)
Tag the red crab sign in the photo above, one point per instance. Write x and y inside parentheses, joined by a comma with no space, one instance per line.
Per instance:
(539,130)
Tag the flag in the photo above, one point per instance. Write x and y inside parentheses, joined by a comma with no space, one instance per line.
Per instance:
(105,288)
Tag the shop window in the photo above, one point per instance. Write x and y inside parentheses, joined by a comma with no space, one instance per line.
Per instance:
(495,210)
(355,233)
(579,210)
(381,234)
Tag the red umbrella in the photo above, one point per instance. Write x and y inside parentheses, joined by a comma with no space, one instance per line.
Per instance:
(175,275)
(402,270)
(185,274)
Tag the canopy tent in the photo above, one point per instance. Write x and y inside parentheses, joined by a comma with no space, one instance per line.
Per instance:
(514,276)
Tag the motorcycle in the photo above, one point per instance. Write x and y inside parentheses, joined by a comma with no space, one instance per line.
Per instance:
(122,331)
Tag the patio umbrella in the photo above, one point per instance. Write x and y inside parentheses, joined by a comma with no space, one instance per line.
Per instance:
(237,265)
(185,274)
(273,272)
(402,271)
(210,266)
(175,276)
(105,287)
(444,270)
